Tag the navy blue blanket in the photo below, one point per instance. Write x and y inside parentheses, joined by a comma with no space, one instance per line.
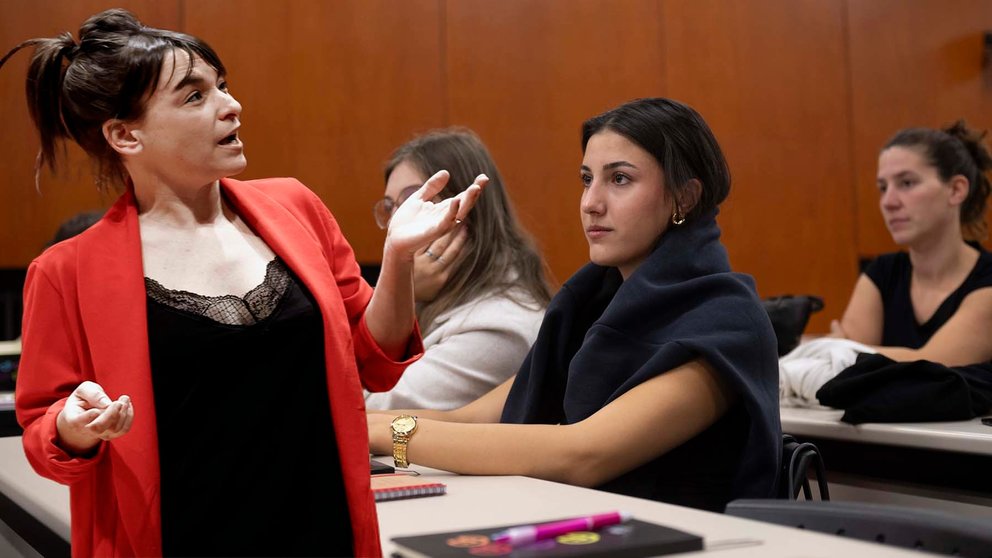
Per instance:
(602,336)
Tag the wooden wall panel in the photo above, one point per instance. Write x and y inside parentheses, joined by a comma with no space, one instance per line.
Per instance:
(801,93)
(770,79)
(29,218)
(329,89)
(913,63)
(524,74)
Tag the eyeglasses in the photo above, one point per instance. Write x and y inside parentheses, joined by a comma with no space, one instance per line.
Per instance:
(384,208)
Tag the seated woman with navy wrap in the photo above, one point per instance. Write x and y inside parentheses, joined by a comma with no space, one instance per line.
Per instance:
(654,373)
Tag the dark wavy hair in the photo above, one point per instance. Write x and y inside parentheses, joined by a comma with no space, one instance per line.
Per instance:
(499,255)
(956,150)
(74,88)
(681,142)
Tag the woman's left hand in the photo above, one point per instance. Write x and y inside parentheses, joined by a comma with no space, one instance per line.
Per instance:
(435,264)
(420,221)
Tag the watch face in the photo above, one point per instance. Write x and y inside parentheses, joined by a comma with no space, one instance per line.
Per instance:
(404,424)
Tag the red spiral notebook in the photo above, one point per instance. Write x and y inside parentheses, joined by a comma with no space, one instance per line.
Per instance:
(398,486)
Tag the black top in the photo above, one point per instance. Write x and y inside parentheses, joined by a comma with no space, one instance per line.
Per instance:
(602,336)
(248,455)
(892,274)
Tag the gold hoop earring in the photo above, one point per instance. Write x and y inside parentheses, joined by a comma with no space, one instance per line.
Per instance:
(677,217)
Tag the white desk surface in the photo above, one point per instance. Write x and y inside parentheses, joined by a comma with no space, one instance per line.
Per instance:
(46,500)
(969,436)
(10,347)
(6,401)
(481,502)
(487,501)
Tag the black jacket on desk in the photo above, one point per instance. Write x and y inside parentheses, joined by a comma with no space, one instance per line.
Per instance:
(878,389)
(602,336)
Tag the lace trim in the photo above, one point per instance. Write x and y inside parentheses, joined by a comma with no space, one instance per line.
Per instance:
(257,304)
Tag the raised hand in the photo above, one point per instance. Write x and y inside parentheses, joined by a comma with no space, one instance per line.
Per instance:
(420,221)
(90,416)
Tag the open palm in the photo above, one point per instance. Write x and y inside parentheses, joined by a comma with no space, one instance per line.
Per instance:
(420,221)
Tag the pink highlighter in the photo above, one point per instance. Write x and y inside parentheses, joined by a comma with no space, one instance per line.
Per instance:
(526,534)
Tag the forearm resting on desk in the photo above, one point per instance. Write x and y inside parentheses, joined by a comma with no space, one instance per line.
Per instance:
(941,354)
(961,341)
(478,449)
(607,444)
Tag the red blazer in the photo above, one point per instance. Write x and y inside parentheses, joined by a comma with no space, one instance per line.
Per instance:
(85,319)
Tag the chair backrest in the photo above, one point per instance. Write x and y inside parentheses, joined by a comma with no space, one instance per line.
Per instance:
(927,530)
(11,307)
(798,460)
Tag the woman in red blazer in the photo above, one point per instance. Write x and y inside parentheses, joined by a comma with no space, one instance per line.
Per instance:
(193,363)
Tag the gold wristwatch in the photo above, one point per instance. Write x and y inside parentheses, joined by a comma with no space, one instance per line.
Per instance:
(403,428)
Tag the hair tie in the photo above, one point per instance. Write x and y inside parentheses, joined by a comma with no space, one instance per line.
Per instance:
(69,48)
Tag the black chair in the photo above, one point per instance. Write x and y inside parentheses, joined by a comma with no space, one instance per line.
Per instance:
(927,530)
(799,459)
(11,308)
(789,315)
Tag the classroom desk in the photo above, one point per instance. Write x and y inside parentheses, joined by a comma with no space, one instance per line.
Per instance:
(36,508)
(944,465)
(969,436)
(488,501)
(10,354)
(485,501)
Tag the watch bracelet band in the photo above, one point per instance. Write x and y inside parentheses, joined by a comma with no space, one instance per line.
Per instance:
(399,451)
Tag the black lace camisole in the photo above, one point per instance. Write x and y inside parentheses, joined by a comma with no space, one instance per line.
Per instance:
(249,459)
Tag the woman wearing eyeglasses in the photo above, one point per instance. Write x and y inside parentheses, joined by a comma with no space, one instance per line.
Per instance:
(480,289)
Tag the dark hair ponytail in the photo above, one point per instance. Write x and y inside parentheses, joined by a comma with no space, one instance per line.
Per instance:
(973,209)
(956,150)
(73,89)
(43,87)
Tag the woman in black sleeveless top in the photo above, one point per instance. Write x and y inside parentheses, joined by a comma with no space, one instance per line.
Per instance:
(933,301)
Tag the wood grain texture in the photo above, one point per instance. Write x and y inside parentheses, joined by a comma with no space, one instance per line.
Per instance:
(329,89)
(913,63)
(770,79)
(526,74)
(29,217)
(800,93)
